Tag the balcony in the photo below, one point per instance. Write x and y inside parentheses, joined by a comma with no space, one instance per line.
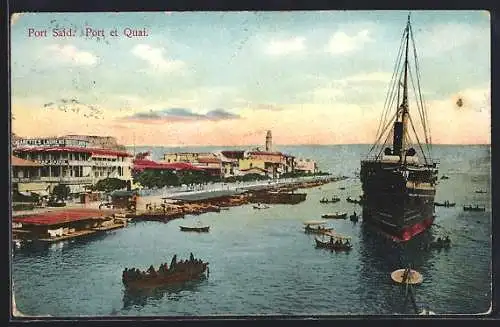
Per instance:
(67,180)
(26,179)
(65,162)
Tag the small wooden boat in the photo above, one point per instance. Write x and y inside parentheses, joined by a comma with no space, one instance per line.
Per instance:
(474,208)
(342,188)
(332,200)
(320,229)
(439,244)
(261,206)
(224,208)
(446,204)
(199,229)
(350,200)
(178,272)
(337,215)
(336,242)
(444,177)
(481,191)
(354,217)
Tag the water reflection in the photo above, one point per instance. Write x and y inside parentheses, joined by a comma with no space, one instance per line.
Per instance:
(379,256)
(142,297)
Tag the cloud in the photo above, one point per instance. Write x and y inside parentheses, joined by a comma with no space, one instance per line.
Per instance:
(430,40)
(370,77)
(181,114)
(70,53)
(155,57)
(284,47)
(341,43)
(360,88)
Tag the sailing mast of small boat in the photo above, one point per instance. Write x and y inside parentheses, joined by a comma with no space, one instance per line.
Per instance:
(399,189)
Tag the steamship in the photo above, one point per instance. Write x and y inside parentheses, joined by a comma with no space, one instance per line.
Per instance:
(398,175)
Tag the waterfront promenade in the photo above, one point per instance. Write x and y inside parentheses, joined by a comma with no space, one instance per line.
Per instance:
(157,196)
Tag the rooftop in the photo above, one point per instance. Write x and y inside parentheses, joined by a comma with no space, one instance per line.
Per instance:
(96,151)
(62,216)
(141,164)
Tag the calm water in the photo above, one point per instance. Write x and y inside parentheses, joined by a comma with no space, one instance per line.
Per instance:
(262,263)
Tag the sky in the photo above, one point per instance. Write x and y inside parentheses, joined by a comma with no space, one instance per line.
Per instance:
(225,78)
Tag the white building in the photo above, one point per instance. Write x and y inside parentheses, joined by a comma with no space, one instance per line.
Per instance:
(306,165)
(69,161)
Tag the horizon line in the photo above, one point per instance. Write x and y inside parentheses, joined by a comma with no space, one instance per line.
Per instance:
(285,145)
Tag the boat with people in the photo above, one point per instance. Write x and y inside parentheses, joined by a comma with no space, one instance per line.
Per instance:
(332,200)
(351,200)
(177,272)
(335,243)
(320,229)
(398,174)
(440,243)
(470,207)
(446,204)
(336,215)
(261,206)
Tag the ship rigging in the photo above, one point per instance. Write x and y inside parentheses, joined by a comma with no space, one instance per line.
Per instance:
(399,179)
(406,72)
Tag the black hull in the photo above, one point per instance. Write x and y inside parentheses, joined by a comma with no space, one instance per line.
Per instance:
(401,208)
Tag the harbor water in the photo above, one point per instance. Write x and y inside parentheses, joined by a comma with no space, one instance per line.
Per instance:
(262,263)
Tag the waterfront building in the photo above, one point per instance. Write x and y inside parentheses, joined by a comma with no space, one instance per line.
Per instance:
(229,165)
(140,165)
(251,165)
(70,161)
(24,172)
(276,163)
(306,165)
(184,156)
(207,161)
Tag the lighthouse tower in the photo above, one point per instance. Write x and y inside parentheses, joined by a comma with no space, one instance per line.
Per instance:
(269,142)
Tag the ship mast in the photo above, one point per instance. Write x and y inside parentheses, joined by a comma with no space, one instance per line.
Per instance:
(400,125)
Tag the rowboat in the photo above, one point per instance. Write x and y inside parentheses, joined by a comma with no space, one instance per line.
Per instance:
(177,272)
(332,200)
(202,229)
(337,215)
(321,229)
(444,204)
(336,243)
(475,208)
(261,206)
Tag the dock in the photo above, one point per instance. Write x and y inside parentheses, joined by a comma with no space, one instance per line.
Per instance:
(73,235)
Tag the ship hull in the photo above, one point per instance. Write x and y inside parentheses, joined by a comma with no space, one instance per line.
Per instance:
(399,208)
(386,222)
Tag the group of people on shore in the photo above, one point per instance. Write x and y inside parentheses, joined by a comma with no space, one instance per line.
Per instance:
(181,266)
